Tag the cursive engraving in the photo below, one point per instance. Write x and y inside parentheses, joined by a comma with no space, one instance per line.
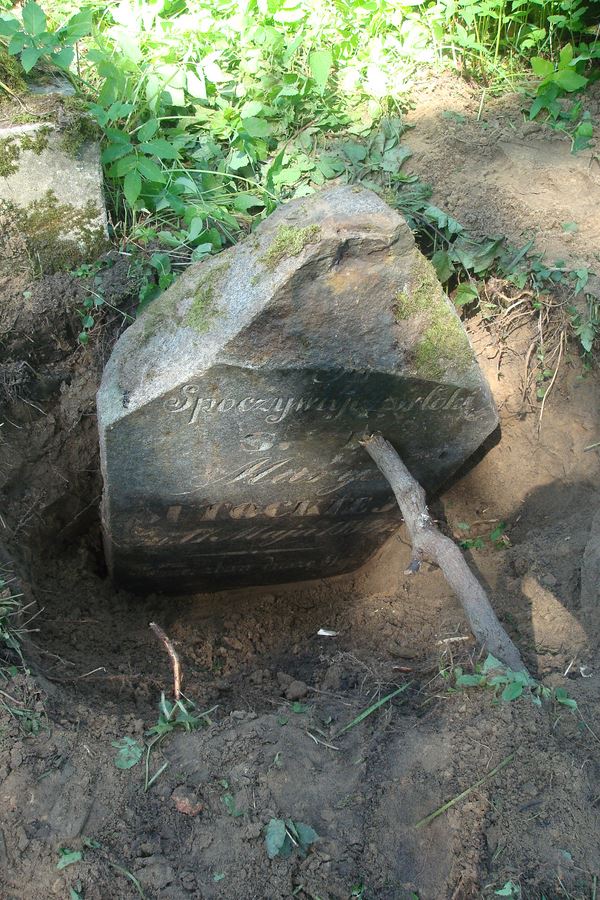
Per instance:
(274,410)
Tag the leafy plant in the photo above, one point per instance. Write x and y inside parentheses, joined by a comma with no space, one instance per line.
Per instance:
(68,857)
(130,752)
(560,81)
(510,889)
(282,836)
(509,685)
(173,715)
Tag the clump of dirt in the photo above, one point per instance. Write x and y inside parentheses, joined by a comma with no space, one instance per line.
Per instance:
(274,696)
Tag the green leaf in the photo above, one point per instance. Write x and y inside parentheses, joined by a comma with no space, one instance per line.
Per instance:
(569,80)
(465,293)
(570,227)
(512,690)
(115,151)
(34,19)
(9,26)
(491,664)
(150,170)
(561,696)
(63,58)
(470,680)
(148,129)
(231,807)
(306,834)
(132,186)
(123,166)
(443,265)
(79,25)
(256,127)
(29,58)
(275,835)
(130,753)
(320,62)
(159,147)
(68,857)
(566,56)
(542,67)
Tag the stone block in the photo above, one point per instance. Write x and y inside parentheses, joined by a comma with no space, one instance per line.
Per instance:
(53,198)
(231,412)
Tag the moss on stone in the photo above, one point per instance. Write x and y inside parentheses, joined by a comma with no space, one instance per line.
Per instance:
(290,240)
(79,130)
(444,344)
(202,311)
(60,236)
(11,148)
(11,72)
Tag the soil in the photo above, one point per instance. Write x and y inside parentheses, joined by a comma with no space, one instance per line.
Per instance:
(279,693)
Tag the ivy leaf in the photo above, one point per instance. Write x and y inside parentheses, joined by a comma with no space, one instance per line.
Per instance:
(443,265)
(34,19)
(275,835)
(132,186)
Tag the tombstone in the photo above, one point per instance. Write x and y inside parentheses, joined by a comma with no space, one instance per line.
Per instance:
(231,412)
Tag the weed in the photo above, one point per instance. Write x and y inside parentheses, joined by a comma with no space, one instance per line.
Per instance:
(371,709)
(508,685)
(130,752)
(173,715)
(282,836)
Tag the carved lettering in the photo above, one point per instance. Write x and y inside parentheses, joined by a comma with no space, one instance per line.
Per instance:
(277,409)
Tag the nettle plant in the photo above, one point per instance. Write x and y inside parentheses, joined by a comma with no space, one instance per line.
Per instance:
(211,113)
(560,81)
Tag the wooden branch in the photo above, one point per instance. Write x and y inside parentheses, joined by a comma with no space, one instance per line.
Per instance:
(175,664)
(428,543)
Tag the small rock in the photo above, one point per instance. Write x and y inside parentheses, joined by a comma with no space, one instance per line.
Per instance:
(284,680)
(296,690)
(186,802)
(520,565)
(233,643)
(22,839)
(16,758)
(404,652)
(222,686)
(548,580)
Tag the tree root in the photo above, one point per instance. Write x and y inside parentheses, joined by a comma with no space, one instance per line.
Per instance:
(428,543)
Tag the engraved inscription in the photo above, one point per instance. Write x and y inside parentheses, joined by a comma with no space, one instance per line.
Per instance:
(275,410)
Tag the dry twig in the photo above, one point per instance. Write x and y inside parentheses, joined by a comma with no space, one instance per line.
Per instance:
(175,664)
(429,543)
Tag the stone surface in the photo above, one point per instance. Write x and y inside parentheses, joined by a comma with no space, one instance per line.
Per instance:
(230,413)
(54,197)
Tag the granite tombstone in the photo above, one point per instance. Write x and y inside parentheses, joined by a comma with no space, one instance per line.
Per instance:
(231,412)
